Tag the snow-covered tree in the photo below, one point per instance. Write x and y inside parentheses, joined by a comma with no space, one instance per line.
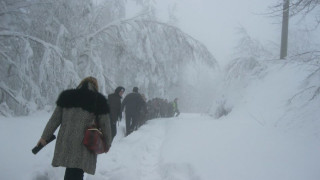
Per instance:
(247,65)
(47,46)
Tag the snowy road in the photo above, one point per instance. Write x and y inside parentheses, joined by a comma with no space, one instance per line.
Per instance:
(194,147)
(190,147)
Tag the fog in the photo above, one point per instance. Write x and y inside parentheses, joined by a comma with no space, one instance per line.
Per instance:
(215,23)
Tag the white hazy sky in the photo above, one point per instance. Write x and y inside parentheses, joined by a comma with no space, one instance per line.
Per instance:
(215,22)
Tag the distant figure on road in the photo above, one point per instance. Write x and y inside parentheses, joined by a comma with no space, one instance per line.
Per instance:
(176,111)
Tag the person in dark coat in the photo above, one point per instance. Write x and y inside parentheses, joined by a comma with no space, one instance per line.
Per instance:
(115,108)
(132,103)
(76,110)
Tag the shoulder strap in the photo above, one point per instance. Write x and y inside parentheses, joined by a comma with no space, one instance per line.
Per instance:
(96,111)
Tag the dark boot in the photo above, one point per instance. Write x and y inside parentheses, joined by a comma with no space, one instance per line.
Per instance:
(73,174)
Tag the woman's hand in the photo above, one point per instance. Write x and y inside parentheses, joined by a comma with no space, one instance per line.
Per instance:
(42,141)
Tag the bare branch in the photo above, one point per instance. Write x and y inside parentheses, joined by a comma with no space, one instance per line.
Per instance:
(294,96)
(296,7)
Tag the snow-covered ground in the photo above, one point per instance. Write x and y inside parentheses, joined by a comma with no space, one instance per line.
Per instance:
(271,133)
(190,147)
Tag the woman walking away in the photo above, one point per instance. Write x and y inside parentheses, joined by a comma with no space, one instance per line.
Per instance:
(76,110)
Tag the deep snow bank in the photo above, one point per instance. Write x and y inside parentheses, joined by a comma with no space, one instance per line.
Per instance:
(282,94)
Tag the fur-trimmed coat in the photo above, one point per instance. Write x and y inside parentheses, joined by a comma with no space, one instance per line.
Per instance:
(75,111)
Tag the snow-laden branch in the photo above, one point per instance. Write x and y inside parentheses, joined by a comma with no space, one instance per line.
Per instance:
(99,10)
(17,6)
(136,19)
(181,33)
(5,89)
(114,24)
(45,44)
(8,58)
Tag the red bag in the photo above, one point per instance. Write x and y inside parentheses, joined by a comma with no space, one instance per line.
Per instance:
(94,141)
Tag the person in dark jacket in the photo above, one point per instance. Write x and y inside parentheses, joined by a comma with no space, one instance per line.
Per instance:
(132,103)
(115,108)
(76,110)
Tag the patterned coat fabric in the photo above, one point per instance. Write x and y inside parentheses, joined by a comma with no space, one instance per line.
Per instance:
(75,111)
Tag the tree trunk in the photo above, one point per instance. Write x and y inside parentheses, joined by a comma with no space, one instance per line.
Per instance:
(284,34)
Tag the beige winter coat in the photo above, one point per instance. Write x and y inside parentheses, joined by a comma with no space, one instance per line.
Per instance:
(74,113)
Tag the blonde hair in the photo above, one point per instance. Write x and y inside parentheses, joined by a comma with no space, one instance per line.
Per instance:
(93,81)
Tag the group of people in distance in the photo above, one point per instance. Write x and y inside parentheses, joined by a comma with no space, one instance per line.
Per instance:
(137,109)
(78,108)
(159,108)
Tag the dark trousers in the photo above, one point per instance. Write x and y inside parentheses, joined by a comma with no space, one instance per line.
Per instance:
(113,126)
(131,122)
(73,174)
(113,129)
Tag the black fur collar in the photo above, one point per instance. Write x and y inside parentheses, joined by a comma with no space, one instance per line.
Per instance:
(85,99)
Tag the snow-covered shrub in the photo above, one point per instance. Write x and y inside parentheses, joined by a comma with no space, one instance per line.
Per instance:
(222,109)
(246,66)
